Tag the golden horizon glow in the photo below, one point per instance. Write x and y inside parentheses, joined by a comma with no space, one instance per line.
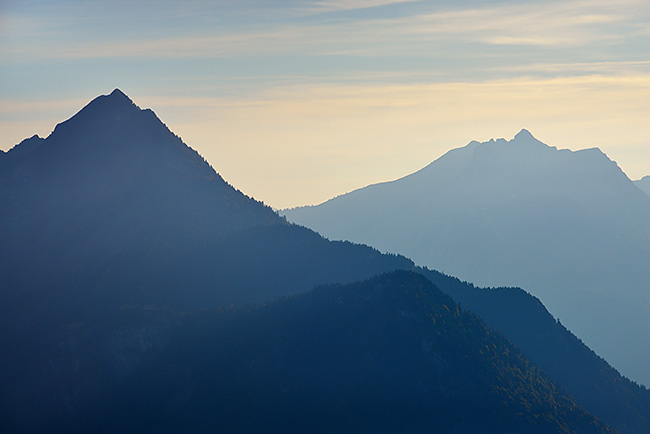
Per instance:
(297,101)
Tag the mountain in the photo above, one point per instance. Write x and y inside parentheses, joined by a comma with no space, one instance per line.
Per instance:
(114,209)
(389,354)
(116,235)
(569,227)
(644,184)
(522,318)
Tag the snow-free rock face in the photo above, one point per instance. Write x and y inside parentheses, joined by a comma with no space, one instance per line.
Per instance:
(570,227)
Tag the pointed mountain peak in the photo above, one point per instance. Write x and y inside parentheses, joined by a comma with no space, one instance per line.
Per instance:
(116,100)
(26,147)
(116,105)
(524,139)
(117,93)
(524,134)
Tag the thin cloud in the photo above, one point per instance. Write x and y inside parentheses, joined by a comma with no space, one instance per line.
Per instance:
(347,5)
(558,24)
(339,98)
(13,106)
(602,68)
(561,24)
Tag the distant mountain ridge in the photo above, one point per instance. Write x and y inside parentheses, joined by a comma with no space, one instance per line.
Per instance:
(524,320)
(118,235)
(388,354)
(570,227)
(113,185)
(113,211)
(644,184)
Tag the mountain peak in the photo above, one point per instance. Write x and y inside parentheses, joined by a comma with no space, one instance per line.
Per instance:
(524,141)
(117,92)
(524,134)
(523,145)
(104,108)
(116,100)
(118,95)
(524,137)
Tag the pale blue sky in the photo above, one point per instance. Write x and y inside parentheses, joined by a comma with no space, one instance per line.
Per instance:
(296,101)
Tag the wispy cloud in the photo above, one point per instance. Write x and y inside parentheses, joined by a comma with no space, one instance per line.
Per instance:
(325,78)
(542,24)
(593,68)
(11,106)
(556,24)
(347,5)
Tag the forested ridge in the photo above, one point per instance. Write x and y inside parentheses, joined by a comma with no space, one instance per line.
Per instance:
(137,289)
(583,374)
(388,354)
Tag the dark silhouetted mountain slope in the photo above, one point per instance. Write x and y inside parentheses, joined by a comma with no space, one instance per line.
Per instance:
(113,211)
(569,227)
(111,177)
(524,320)
(115,234)
(116,207)
(389,354)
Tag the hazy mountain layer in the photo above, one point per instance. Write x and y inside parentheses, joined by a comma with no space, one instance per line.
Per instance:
(567,361)
(644,184)
(569,227)
(112,211)
(110,222)
(114,208)
(390,354)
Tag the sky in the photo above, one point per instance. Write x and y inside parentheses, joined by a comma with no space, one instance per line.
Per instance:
(295,101)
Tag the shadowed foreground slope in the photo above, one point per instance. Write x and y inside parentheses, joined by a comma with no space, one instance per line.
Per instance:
(111,227)
(566,360)
(389,354)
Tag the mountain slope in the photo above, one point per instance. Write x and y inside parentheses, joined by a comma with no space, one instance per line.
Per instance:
(111,176)
(523,319)
(644,184)
(113,208)
(569,227)
(112,211)
(389,354)
(111,221)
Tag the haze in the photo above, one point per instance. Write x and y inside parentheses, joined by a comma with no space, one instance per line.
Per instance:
(569,227)
(295,101)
